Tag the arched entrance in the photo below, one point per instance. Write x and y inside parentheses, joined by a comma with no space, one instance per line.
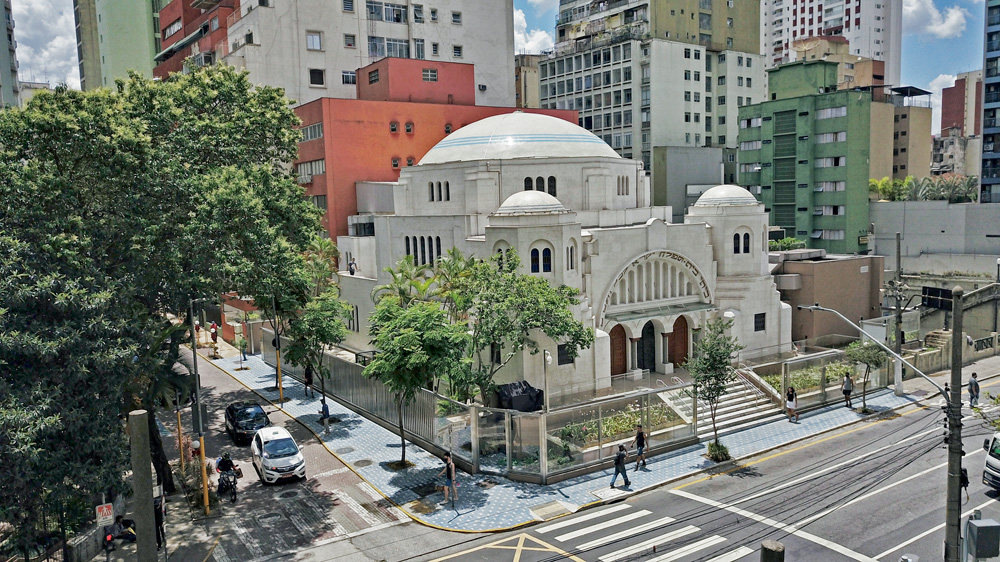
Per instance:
(679,342)
(619,354)
(647,348)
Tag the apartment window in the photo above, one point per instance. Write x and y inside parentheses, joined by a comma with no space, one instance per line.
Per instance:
(317,77)
(687,96)
(833,235)
(687,116)
(172,28)
(350,41)
(722,80)
(213,24)
(831,162)
(399,48)
(456,17)
(749,64)
(434,49)
(408,127)
(739,80)
(418,49)
(739,101)
(348,5)
(750,123)
(430,75)
(312,132)
(687,74)
(749,81)
(311,168)
(729,22)
(418,13)
(759,321)
(395,13)
(395,163)
(314,41)
(697,76)
(393,126)
(687,53)
(373,77)
(750,145)
(697,55)
(434,14)
(721,100)
(832,112)
(348,77)
(824,138)
(376,47)
(456,51)
(447,128)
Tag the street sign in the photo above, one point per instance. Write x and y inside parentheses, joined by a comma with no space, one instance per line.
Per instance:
(105,514)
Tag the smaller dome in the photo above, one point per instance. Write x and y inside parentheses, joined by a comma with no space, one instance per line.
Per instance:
(531,202)
(724,195)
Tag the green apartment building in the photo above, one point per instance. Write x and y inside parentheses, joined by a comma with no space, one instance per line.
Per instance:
(114,37)
(808,152)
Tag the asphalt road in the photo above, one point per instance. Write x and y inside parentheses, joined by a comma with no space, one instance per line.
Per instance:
(331,515)
(872,491)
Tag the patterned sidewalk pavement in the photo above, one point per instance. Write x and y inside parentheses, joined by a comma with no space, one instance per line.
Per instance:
(492,503)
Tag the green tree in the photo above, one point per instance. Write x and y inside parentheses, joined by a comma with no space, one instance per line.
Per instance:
(321,263)
(508,309)
(711,365)
(415,344)
(872,357)
(790,243)
(452,276)
(410,282)
(320,325)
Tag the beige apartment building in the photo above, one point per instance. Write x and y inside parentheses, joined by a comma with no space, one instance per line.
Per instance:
(526,86)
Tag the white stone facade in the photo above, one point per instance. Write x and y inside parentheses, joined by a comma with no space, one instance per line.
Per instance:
(280,43)
(646,284)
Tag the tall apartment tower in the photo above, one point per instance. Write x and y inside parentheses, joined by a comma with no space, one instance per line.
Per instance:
(526,86)
(9,87)
(962,104)
(648,74)
(873,28)
(313,48)
(990,177)
(114,37)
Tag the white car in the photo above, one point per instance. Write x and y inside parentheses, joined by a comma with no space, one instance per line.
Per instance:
(276,456)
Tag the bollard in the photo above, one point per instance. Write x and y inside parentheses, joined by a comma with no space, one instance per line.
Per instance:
(772,551)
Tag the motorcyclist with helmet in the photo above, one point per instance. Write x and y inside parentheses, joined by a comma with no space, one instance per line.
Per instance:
(228,471)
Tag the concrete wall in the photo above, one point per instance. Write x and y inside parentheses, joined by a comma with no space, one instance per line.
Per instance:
(676,167)
(937,227)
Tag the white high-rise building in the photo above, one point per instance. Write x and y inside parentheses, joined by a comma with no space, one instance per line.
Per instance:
(874,29)
(312,48)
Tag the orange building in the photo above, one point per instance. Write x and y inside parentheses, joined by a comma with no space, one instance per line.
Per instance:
(195,28)
(404,107)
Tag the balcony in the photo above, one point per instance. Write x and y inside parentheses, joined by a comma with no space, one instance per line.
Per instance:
(989,123)
(990,172)
(993,45)
(993,20)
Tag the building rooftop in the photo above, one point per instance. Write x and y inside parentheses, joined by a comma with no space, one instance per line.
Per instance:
(721,195)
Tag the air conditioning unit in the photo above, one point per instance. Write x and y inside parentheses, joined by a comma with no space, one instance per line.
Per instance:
(482,87)
(305,179)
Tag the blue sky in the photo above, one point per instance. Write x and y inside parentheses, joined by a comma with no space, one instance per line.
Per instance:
(941,38)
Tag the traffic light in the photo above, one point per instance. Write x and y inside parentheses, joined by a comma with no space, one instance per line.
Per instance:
(109,542)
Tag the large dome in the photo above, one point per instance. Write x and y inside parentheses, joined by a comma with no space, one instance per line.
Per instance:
(518,135)
(726,195)
(530,202)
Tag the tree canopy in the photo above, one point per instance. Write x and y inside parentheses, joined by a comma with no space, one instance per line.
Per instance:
(711,364)
(872,357)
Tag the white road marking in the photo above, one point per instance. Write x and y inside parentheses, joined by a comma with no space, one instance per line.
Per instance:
(929,531)
(373,494)
(567,521)
(626,533)
(331,472)
(602,525)
(638,548)
(790,529)
(357,508)
(690,549)
(734,555)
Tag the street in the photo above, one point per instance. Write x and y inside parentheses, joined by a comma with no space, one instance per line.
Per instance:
(872,491)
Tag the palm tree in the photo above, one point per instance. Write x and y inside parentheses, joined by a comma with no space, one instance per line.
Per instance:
(921,189)
(409,282)
(451,275)
(322,256)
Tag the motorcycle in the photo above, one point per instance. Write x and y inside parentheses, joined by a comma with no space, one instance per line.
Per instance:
(227,480)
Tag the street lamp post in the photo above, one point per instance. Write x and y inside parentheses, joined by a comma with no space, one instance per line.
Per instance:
(546,360)
(995,301)
(199,423)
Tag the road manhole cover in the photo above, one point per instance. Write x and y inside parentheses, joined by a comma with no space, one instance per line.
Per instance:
(268,519)
(288,494)
(363,463)
(345,450)
(425,490)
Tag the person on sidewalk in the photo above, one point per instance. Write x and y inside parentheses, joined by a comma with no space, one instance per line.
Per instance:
(620,460)
(309,381)
(352,267)
(792,403)
(963,481)
(124,529)
(449,478)
(640,442)
(324,416)
(973,391)
(158,513)
(847,388)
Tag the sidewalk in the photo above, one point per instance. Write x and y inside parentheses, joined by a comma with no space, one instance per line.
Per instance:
(492,503)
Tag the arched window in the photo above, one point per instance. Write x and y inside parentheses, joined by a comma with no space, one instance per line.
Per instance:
(430,191)
(528,184)
(572,257)
(437,242)
(423,251)
(534,260)
(547,260)
(746,243)
(552,186)
(407,245)
(539,183)
(628,185)
(439,191)
(736,243)
(447,192)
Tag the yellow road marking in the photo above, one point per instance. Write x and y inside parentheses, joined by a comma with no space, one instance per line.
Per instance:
(518,549)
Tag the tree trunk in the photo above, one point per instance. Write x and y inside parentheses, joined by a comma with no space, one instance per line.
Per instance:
(864,388)
(62,530)
(402,436)
(160,461)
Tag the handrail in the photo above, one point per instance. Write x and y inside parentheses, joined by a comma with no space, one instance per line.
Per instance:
(758,394)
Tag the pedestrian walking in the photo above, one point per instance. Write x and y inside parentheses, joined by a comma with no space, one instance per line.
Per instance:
(449,478)
(352,266)
(792,403)
(973,391)
(963,481)
(847,388)
(620,459)
(197,332)
(243,348)
(309,381)
(324,416)
(640,442)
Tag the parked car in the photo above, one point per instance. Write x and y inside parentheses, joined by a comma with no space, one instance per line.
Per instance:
(243,419)
(276,456)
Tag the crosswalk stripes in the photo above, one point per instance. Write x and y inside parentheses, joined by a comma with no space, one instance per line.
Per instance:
(616,524)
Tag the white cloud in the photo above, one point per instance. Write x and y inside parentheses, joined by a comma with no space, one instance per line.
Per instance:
(46,41)
(942,81)
(925,18)
(534,41)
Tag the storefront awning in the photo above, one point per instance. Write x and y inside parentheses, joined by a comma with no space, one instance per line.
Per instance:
(169,51)
(663,310)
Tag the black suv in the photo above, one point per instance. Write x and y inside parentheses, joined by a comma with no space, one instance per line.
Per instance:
(243,419)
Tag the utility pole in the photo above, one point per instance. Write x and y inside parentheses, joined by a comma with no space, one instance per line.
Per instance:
(898,348)
(953,505)
(142,485)
(199,423)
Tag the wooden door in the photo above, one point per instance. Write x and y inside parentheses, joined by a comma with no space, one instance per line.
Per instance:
(679,342)
(647,348)
(619,356)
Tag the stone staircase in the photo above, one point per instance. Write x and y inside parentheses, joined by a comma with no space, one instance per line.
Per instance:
(940,339)
(741,407)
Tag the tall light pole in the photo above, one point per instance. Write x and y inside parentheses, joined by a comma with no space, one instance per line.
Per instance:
(995,302)
(546,360)
(897,291)
(199,423)
(953,505)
